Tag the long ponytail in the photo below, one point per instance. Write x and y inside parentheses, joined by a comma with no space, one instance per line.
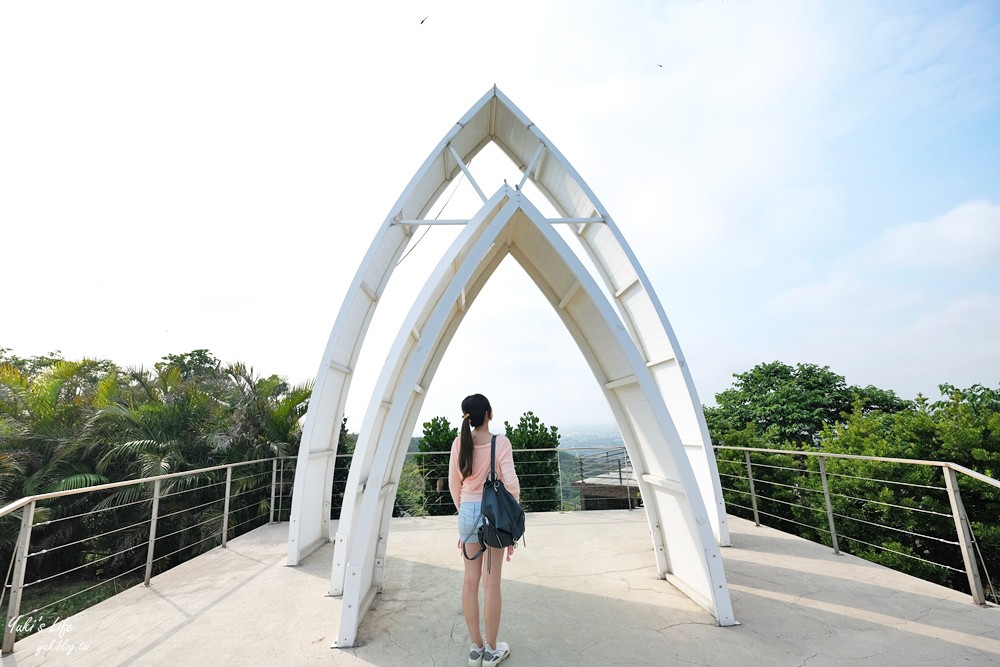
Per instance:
(474,411)
(465,448)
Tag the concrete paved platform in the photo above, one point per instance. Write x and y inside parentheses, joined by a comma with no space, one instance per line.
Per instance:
(583,592)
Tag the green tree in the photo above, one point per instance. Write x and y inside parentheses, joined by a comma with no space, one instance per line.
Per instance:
(537,471)
(791,404)
(264,415)
(198,367)
(69,424)
(163,424)
(50,438)
(32,366)
(410,500)
(48,411)
(409,492)
(910,499)
(777,480)
(784,403)
(438,436)
(898,515)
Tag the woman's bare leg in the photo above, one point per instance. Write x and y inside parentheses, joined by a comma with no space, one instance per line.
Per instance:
(494,601)
(470,594)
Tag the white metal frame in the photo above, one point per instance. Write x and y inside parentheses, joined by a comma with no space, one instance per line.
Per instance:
(629,347)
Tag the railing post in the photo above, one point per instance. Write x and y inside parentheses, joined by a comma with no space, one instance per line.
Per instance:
(17,583)
(559,468)
(621,482)
(274,486)
(152,532)
(829,506)
(964,535)
(281,484)
(753,493)
(225,510)
(631,476)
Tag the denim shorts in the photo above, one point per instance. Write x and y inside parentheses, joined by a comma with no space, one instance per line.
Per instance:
(469,520)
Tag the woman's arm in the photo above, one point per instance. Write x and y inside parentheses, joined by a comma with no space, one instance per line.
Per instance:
(454,475)
(505,467)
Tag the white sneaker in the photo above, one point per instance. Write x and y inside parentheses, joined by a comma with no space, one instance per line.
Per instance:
(494,656)
(475,656)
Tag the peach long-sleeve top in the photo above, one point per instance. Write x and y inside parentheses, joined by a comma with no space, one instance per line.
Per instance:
(470,489)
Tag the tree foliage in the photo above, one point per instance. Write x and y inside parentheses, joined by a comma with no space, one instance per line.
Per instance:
(70,424)
(791,404)
(960,428)
(537,471)
(895,514)
(438,436)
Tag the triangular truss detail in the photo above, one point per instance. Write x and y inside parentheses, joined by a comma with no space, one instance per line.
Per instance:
(638,365)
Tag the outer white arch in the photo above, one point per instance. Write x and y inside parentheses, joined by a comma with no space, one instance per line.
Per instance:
(492,118)
(508,223)
(496,118)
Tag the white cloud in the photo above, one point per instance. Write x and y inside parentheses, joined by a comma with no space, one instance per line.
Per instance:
(967,236)
(955,344)
(898,314)
(864,283)
(942,61)
(843,297)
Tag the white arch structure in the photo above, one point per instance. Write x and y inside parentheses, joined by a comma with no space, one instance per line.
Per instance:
(629,347)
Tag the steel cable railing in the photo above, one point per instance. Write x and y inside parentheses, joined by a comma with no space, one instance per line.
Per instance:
(908,519)
(131,526)
(604,479)
(550,480)
(282,479)
(31,614)
(423,484)
(172,522)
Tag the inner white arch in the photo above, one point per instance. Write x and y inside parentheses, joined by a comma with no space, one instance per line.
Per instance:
(635,358)
(688,556)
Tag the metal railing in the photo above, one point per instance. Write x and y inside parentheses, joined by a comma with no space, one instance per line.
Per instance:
(612,464)
(829,498)
(122,531)
(606,480)
(146,526)
(549,479)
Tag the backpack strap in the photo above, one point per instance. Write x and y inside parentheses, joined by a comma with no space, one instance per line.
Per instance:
(465,553)
(493,455)
(491,477)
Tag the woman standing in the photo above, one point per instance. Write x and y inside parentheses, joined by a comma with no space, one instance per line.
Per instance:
(467,470)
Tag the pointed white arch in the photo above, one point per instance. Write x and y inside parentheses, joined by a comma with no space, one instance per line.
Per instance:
(509,224)
(493,118)
(654,403)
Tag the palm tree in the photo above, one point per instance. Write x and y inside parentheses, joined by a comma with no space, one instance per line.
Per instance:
(265,421)
(47,422)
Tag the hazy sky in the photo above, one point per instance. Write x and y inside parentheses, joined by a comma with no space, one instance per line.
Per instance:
(802,181)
